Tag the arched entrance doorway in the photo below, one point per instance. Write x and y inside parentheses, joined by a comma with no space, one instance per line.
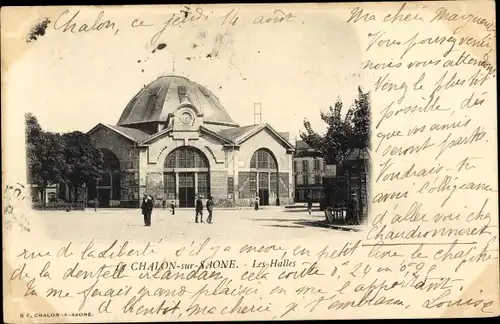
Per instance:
(264,176)
(108,188)
(186,174)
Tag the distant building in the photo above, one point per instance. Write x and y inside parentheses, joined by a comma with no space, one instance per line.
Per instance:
(308,171)
(174,141)
(49,194)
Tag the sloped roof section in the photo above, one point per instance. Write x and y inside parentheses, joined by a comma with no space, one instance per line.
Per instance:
(135,135)
(210,132)
(232,134)
(239,135)
(285,135)
(302,145)
(302,149)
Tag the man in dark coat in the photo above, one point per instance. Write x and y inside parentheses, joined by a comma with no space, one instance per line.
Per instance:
(354,208)
(199,209)
(172,207)
(257,202)
(210,209)
(147,209)
(309,203)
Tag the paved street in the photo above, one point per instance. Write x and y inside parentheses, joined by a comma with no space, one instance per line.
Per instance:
(128,224)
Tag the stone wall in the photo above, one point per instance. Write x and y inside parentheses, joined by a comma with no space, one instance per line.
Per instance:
(286,201)
(245,202)
(114,203)
(284,185)
(154,185)
(142,171)
(123,148)
(130,186)
(157,152)
(244,185)
(128,155)
(249,202)
(221,203)
(264,139)
(218,184)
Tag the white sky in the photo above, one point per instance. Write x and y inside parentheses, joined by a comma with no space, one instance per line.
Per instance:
(295,69)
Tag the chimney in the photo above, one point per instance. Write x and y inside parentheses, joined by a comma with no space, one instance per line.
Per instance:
(257,113)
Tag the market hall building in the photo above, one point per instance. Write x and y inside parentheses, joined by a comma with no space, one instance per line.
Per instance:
(174,141)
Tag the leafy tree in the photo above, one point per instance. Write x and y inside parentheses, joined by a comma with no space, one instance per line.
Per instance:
(348,135)
(335,143)
(361,120)
(33,139)
(362,143)
(342,134)
(45,155)
(84,161)
(71,158)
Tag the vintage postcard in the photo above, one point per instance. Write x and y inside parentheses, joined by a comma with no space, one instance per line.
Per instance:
(249,162)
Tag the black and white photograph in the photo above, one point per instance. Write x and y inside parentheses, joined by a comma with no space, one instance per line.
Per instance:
(197,131)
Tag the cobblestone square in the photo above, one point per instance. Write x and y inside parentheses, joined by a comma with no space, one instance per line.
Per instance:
(127,224)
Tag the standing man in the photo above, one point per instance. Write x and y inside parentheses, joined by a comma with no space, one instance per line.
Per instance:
(199,209)
(172,206)
(210,208)
(257,202)
(147,209)
(164,204)
(354,208)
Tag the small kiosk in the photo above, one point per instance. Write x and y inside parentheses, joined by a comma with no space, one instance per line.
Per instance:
(357,167)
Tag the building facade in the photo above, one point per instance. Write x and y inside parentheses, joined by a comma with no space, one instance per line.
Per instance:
(48,195)
(175,141)
(308,173)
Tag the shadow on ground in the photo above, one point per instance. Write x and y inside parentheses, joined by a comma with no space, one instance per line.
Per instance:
(300,210)
(313,221)
(284,226)
(288,220)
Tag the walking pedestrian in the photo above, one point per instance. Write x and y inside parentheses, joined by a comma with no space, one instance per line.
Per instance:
(199,209)
(164,204)
(256,204)
(309,203)
(172,206)
(96,204)
(354,207)
(210,209)
(147,209)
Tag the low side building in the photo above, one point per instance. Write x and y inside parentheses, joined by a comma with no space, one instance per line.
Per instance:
(309,167)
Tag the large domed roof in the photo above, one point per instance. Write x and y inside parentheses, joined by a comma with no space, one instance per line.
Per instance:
(164,95)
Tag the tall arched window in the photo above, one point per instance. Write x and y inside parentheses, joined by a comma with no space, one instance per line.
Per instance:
(264,176)
(109,186)
(186,173)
